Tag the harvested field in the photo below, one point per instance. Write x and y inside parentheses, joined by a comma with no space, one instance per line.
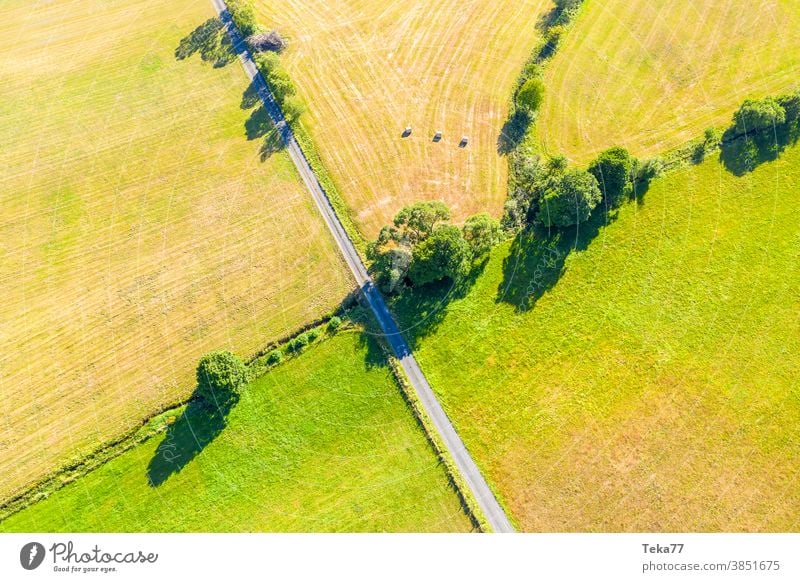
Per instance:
(369,68)
(139,226)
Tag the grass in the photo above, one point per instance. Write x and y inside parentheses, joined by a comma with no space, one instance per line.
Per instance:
(652,75)
(139,226)
(369,68)
(646,380)
(323,442)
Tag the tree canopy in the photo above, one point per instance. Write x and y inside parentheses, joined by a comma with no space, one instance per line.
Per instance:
(220,374)
(759,114)
(481,232)
(569,199)
(612,169)
(444,254)
(530,95)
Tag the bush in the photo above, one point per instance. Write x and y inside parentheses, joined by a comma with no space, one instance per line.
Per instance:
(570,199)
(220,375)
(612,169)
(648,169)
(334,323)
(444,254)
(530,95)
(300,342)
(313,334)
(275,357)
(292,108)
(243,16)
(758,114)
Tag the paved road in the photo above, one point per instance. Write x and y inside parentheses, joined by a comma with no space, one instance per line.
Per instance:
(491,509)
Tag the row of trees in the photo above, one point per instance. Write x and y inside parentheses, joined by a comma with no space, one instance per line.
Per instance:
(421,246)
(280,84)
(268,63)
(556,196)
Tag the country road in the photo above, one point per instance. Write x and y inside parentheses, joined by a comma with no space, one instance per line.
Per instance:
(491,509)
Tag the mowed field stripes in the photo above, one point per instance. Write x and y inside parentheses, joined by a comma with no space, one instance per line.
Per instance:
(139,226)
(369,68)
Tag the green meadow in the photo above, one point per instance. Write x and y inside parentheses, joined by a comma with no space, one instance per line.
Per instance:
(323,442)
(642,374)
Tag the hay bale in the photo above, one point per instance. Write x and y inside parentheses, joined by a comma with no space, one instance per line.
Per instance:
(267,41)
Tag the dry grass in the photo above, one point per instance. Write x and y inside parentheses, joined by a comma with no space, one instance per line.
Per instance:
(368,68)
(138,229)
(652,75)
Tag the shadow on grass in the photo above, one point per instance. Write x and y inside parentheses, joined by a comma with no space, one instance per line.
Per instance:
(537,258)
(211,41)
(513,132)
(187,437)
(744,153)
(421,310)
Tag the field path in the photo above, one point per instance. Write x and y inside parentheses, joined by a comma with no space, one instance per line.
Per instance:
(469,470)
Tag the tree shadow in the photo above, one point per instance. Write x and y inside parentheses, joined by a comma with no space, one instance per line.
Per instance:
(187,437)
(421,310)
(211,41)
(513,132)
(260,124)
(743,153)
(537,258)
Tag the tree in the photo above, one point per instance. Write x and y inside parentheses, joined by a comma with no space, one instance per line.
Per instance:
(220,375)
(243,16)
(563,5)
(758,114)
(557,164)
(481,232)
(275,357)
(334,323)
(444,254)
(569,199)
(280,84)
(612,169)
(530,95)
(418,220)
(293,108)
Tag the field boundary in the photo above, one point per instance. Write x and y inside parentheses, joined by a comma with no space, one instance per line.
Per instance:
(468,502)
(149,427)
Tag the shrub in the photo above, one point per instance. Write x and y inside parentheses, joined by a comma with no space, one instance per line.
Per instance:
(758,114)
(292,108)
(557,164)
(334,323)
(570,199)
(275,357)
(243,16)
(301,341)
(530,95)
(220,374)
(481,232)
(313,334)
(612,169)
(648,169)
(444,254)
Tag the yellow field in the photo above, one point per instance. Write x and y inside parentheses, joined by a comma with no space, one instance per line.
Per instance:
(653,75)
(368,68)
(139,227)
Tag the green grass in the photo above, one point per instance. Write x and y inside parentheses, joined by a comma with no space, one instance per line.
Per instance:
(324,442)
(652,75)
(647,381)
(139,225)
